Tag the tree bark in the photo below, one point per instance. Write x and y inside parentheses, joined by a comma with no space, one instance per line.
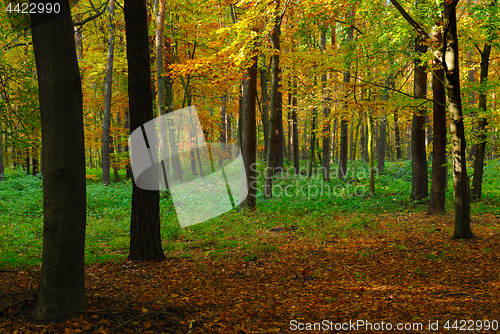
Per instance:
(107,93)
(452,74)
(477,180)
(295,130)
(439,169)
(2,166)
(371,154)
(343,123)
(275,111)
(249,133)
(62,287)
(265,107)
(145,241)
(326,123)
(397,137)
(419,180)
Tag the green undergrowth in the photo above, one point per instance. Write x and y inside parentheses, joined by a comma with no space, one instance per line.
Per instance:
(305,208)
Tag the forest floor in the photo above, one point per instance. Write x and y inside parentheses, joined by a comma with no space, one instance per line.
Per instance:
(400,270)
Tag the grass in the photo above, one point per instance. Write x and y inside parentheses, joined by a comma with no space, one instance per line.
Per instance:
(319,211)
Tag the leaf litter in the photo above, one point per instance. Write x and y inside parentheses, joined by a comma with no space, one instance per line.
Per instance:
(407,271)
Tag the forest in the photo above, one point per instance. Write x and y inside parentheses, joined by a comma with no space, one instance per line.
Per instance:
(251,166)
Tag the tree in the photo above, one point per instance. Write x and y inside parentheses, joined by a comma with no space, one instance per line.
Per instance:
(449,59)
(419,180)
(107,93)
(62,286)
(439,169)
(452,75)
(273,147)
(477,180)
(145,241)
(1,154)
(249,132)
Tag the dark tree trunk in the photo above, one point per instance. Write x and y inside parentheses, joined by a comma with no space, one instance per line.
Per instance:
(280,135)
(295,126)
(312,145)
(62,286)
(249,133)
(477,180)
(107,99)
(145,241)
(223,122)
(362,140)
(275,112)
(439,169)
(452,74)
(397,137)
(326,124)
(419,179)
(34,170)
(343,123)
(382,147)
(2,167)
(265,105)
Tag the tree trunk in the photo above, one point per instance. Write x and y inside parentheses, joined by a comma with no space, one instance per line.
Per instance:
(2,167)
(477,180)
(312,145)
(296,147)
(249,133)
(397,137)
(145,241)
(223,122)
(419,179)
(275,112)
(62,286)
(439,169)
(265,108)
(452,74)
(107,93)
(382,147)
(343,123)
(371,154)
(326,123)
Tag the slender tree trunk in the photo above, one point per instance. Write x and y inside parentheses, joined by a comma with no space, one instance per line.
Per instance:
(397,137)
(62,293)
(362,139)
(452,74)
(419,180)
(2,166)
(312,145)
(107,93)
(371,153)
(382,147)
(223,122)
(439,169)
(477,180)
(265,105)
(326,123)
(249,133)
(343,123)
(35,161)
(275,112)
(145,241)
(296,145)
(27,159)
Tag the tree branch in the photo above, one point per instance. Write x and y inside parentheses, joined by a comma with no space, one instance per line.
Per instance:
(411,21)
(92,17)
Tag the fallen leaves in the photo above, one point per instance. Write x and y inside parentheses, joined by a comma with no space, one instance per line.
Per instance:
(395,275)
